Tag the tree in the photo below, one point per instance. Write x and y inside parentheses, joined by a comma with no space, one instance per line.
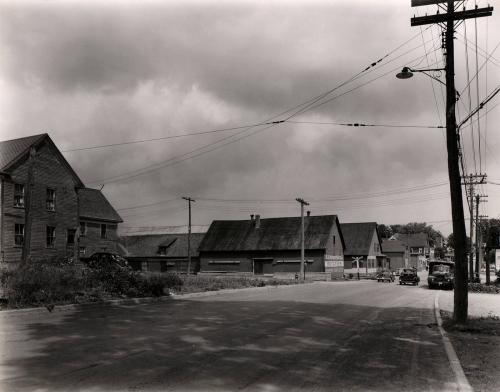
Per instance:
(451,243)
(385,231)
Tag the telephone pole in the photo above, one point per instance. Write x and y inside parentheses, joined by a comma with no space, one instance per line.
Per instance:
(470,181)
(28,215)
(189,200)
(302,241)
(478,237)
(460,308)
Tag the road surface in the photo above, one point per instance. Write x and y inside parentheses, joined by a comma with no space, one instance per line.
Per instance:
(355,336)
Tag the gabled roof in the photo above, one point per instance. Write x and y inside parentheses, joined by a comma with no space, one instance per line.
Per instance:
(149,245)
(92,204)
(393,246)
(416,240)
(15,151)
(358,237)
(273,234)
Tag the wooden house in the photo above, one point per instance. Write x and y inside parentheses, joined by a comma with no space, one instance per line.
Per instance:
(43,203)
(272,247)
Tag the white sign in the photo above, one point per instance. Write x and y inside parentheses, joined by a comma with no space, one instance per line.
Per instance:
(334,261)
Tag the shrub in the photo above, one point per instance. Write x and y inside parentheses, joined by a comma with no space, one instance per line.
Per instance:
(42,282)
(155,284)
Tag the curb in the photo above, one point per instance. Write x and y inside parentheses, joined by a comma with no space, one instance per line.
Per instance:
(461,379)
(138,301)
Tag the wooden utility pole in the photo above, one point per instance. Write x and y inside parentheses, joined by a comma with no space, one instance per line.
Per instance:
(189,200)
(28,218)
(478,238)
(302,241)
(460,308)
(471,180)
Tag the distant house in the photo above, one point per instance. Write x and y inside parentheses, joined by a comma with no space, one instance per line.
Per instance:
(162,252)
(36,178)
(272,247)
(419,248)
(363,247)
(396,253)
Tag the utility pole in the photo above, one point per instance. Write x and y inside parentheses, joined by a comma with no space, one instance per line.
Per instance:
(478,238)
(471,180)
(302,241)
(189,200)
(481,248)
(460,308)
(28,218)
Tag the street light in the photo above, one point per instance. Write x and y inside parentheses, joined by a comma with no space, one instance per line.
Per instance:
(407,73)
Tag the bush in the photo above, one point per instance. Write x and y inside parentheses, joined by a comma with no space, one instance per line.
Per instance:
(483,288)
(42,282)
(155,285)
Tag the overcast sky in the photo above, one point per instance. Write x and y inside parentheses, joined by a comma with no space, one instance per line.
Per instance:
(102,72)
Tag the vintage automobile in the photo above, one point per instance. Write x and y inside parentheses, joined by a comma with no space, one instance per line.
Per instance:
(385,276)
(441,274)
(409,276)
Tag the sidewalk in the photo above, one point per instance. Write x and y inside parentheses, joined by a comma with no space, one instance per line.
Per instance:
(480,304)
(477,344)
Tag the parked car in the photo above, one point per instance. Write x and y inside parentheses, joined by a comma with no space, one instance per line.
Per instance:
(441,274)
(409,276)
(398,271)
(385,276)
(101,259)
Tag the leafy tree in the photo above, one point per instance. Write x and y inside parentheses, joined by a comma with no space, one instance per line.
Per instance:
(451,242)
(385,231)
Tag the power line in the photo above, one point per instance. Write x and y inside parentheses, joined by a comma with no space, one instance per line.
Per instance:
(165,137)
(366,125)
(183,157)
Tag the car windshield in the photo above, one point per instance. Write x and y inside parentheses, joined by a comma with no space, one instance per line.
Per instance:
(441,268)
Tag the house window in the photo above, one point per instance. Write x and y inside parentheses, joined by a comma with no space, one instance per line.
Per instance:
(50,202)
(82,250)
(51,236)
(18,195)
(70,237)
(420,250)
(19,234)
(162,250)
(103,231)
(334,240)
(83,228)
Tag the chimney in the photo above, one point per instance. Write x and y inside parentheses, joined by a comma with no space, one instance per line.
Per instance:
(257,221)
(251,217)
(308,213)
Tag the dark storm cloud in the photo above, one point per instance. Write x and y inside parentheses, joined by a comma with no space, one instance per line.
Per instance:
(103,72)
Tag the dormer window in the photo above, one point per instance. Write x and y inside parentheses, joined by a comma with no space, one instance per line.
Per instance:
(162,250)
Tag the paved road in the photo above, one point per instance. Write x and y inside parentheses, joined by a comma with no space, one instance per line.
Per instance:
(318,337)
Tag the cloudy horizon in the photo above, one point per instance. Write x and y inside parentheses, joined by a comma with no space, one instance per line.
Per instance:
(93,74)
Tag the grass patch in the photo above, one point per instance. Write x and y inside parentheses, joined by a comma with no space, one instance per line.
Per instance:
(493,288)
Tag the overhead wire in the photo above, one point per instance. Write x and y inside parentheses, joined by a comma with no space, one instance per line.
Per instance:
(187,155)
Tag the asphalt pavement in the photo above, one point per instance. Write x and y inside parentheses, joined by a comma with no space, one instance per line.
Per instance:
(356,336)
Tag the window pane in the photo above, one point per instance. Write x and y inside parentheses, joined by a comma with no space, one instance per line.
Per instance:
(51,199)
(71,236)
(18,195)
(19,234)
(103,231)
(51,236)
(83,228)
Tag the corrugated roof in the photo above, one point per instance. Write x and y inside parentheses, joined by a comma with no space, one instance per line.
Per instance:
(393,246)
(358,237)
(11,150)
(149,245)
(92,204)
(273,234)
